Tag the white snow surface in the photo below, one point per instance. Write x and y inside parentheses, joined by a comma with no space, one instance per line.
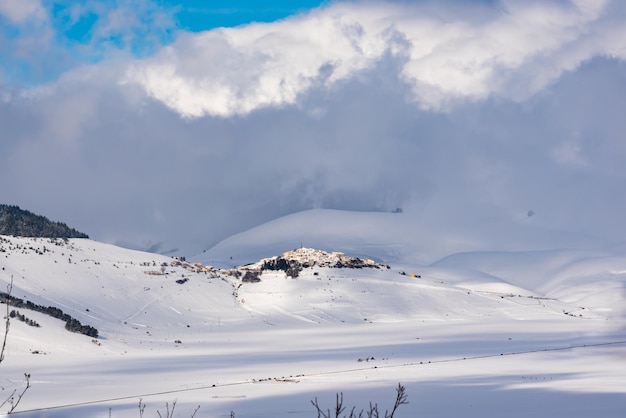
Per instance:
(529,329)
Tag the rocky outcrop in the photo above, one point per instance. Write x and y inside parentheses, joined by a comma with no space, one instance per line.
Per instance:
(293,262)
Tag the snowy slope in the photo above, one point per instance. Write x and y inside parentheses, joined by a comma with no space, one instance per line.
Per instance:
(465,328)
(392,237)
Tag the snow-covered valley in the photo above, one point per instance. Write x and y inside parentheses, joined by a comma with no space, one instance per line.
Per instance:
(473,334)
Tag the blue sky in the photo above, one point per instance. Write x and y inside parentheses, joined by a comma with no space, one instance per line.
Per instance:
(190,15)
(138,122)
(82,31)
(198,15)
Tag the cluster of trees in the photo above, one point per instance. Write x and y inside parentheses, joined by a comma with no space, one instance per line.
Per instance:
(71,324)
(251,276)
(22,223)
(17,315)
(291,267)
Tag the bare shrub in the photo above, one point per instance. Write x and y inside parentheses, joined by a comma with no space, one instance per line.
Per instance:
(12,399)
(169,412)
(372,412)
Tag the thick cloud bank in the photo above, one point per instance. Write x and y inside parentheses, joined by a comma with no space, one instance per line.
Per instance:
(457,113)
(447,54)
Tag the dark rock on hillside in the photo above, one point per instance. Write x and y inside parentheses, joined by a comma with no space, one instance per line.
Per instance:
(22,223)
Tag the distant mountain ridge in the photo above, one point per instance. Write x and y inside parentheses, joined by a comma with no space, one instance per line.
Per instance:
(22,223)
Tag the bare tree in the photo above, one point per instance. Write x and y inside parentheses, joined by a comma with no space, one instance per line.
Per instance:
(142,407)
(7,322)
(168,413)
(372,412)
(12,399)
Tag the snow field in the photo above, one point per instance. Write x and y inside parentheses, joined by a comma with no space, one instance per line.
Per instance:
(477,334)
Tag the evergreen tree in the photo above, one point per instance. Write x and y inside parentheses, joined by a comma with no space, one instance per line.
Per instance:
(22,223)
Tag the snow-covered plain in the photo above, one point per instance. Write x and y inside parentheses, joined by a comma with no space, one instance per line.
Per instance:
(532,326)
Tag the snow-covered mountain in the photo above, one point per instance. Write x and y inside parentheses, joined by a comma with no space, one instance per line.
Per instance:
(395,237)
(317,303)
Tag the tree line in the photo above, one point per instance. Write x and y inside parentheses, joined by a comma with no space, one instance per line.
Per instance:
(22,223)
(71,324)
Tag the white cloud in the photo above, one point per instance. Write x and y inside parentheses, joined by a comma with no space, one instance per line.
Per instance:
(322,120)
(20,11)
(474,61)
(511,52)
(41,40)
(234,71)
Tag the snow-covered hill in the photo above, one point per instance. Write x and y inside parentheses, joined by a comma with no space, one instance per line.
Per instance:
(263,333)
(410,236)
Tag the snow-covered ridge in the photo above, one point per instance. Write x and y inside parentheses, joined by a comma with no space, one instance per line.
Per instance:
(308,257)
(300,258)
(407,237)
(291,262)
(77,274)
